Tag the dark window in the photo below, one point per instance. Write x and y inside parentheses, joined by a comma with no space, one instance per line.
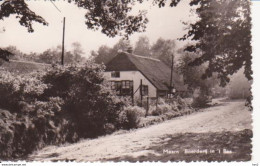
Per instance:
(122,87)
(115,74)
(127,87)
(145,90)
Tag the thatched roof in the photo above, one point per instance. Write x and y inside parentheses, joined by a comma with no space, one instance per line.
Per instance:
(154,70)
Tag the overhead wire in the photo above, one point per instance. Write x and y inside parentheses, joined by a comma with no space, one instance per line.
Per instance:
(55,6)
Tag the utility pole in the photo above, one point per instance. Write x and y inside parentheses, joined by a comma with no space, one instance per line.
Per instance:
(147,107)
(132,95)
(171,76)
(141,92)
(63,38)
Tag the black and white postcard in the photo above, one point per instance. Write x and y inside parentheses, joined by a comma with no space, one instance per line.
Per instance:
(116,81)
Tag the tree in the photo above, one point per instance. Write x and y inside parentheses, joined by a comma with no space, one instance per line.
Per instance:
(53,56)
(192,77)
(105,53)
(192,74)
(102,55)
(163,50)
(121,45)
(17,54)
(222,32)
(223,35)
(239,86)
(21,9)
(50,56)
(78,52)
(113,17)
(4,55)
(143,47)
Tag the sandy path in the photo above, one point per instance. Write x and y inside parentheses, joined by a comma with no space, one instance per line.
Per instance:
(231,116)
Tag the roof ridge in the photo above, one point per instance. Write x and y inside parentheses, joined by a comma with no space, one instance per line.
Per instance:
(144,57)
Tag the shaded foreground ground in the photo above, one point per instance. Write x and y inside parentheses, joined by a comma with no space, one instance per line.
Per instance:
(221,146)
(222,127)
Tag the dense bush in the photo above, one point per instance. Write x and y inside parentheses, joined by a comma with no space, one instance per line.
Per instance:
(161,109)
(166,109)
(35,126)
(28,123)
(130,117)
(141,103)
(6,134)
(64,104)
(15,90)
(88,103)
(60,105)
(171,107)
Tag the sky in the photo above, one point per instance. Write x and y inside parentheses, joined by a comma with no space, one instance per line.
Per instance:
(163,22)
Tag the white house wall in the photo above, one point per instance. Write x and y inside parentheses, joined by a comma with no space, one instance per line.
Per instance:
(135,76)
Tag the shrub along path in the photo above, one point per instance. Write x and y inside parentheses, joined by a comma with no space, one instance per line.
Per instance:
(141,143)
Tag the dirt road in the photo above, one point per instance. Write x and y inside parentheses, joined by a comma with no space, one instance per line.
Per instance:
(228,116)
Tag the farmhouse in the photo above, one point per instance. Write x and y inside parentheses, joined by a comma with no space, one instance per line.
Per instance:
(135,75)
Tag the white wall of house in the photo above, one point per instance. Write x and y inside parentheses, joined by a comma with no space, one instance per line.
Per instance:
(135,76)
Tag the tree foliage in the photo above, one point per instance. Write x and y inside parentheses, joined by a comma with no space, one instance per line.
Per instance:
(113,17)
(192,74)
(104,54)
(17,54)
(224,35)
(121,45)
(62,104)
(4,54)
(49,56)
(239,86)
(163,50)
(25,15)
(142,46)
(223,32)
(77,51)
(53,55)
